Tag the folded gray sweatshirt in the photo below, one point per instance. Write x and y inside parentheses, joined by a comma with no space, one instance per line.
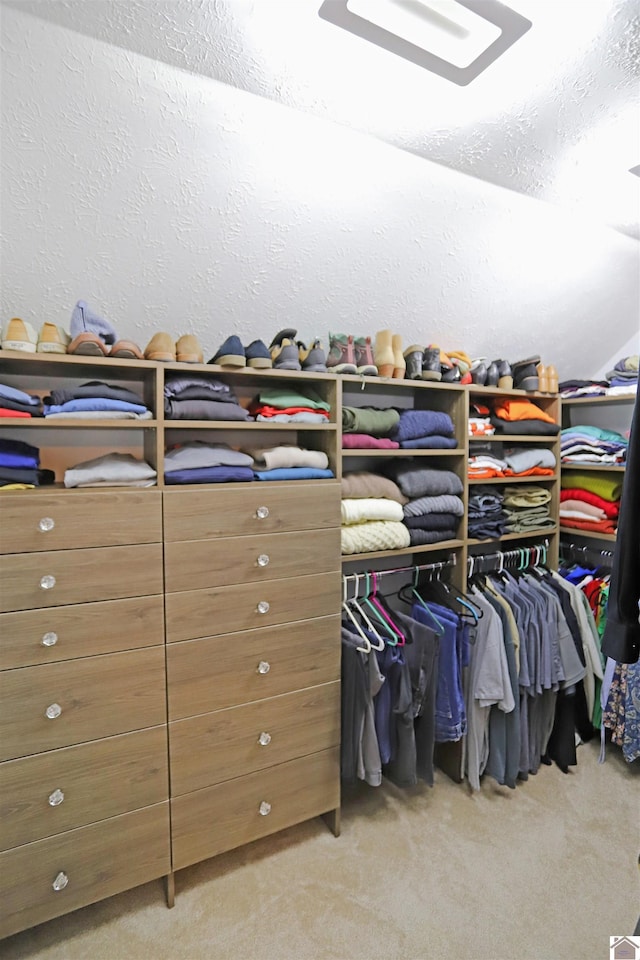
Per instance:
(424,482)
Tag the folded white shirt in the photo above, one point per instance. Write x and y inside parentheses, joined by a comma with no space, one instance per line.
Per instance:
(370,508)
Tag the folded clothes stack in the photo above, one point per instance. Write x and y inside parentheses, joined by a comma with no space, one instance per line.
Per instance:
(95,400)
(20,466)
(288,462)
(479,420)
(424,430)
(369,421)
(623,379)
(526,462)
(486,518)
(363,441)
(435,505)
(522,417)
(17,403)
(592,445)
(527,508)
(371,514)
(198,461)
(286,405)
(201,398)
(590,502)
(111,470)
(569,389)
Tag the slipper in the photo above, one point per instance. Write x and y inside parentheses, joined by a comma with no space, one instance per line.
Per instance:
(126,350)
(89,345)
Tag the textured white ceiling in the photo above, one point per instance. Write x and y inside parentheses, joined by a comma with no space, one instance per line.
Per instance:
(556,117)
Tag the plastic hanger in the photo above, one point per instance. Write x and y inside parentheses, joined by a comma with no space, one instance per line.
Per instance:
(401,637)
(359,630)
(355,601)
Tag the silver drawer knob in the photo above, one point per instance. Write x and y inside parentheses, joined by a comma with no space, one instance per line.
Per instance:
(263,560)
(264,739)
(262,513)
(56,798)
(46,524)
(60,882)
(264,808)
(53,711)
(264,666)
(263,606)
(49,639)
(47,582)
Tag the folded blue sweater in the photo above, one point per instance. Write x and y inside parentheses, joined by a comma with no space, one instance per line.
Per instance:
(421,423)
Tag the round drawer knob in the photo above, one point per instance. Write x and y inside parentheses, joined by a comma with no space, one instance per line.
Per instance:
(56,798)
(46,524)
(49,639)
(263,606)
(264,666)
(60,881)
(264,808)
(263,560)
(53,711)
(262,513)
(264,739)
(47,582)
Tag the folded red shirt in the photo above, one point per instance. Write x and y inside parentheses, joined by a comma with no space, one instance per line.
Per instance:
(610,507)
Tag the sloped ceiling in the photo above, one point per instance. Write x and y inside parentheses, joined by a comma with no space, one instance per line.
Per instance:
(556,117)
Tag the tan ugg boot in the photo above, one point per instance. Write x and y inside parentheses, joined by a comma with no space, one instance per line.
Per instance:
(383,354)
(552,379)
(399,363)
(543,381)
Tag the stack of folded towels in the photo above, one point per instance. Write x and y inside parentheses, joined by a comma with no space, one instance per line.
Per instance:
(424,430)
(486,518)
(371,514)
(17,403)
(590,501)
(95,400)
(434,506)
(479,420)
(527,508)
(286,405)
(522,417)
(523,462)
(111,470)
(288,462)
(201,398)
(19,466)
(198,461)
(367,428)
(623,379)
(593,445)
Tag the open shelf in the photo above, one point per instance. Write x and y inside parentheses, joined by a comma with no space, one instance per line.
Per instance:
(589,534)
(600,398)
(539,532)
(406,551)
(491,480)
(404,452)
(609,467)
(520,438)
(244,425)
(44,423)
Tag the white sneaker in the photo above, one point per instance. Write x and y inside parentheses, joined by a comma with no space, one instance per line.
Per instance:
(19,335)
(53,339)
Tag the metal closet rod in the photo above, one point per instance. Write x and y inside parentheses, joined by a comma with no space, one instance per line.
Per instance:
(583,548)
(415,568)
(506,557)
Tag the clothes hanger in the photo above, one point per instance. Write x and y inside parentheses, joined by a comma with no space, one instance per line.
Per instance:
(355,602)
(359,630)
(374,599)
(390,638)
(438,626)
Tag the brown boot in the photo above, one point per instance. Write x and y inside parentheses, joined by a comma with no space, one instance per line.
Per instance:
(399,363)
(384,358)
(543,381)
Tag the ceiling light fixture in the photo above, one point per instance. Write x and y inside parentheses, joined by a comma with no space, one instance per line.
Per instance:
(456,39)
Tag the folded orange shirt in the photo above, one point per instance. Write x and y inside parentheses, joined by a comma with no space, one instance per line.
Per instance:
(520,410)
(594,526)
(4,412)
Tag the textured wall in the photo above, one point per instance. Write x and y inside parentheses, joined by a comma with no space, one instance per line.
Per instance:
(171,201)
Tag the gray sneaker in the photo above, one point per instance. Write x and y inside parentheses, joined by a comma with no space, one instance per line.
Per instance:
(364,357)
(342,356)
(285,356)
(313,360)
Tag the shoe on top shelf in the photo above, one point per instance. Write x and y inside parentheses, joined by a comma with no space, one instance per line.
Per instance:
(431,363)
(342,355)
(91,335)
(257,355)
(525,374)
(384,358)
(365,366)
(161,348)
(413,360)
(188,349)
(230,353)
(285,355)
(19,335)
(52,339)
(313,359)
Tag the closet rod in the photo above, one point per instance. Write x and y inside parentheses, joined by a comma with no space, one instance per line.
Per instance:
(581,549)
(416,568)
(505,557)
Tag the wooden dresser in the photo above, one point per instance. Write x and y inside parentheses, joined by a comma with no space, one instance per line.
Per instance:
(84,807)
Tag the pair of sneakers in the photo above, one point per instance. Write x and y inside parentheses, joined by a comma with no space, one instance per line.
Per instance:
(288,353)
(232,354)
(351,355)
(93,336)
(20,335)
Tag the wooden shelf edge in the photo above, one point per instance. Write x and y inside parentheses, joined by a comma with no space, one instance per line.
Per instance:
(404,552)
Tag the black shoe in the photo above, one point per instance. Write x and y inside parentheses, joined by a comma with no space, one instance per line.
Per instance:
(492,374)
(478,372)
(525,374)
(505,377)
(451,374)
(413,359)
(431,364)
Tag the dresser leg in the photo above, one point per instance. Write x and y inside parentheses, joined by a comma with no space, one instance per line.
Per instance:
(332,820)
(170,889)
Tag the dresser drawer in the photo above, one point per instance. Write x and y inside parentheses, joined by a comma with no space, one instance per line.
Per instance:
(218,672)
(90,698)
(70,519)
(30,637)
(194,564)
(97,862)
(53,792)
(199,613)
(228,815)
(231,743)
(33,580)
(260,507)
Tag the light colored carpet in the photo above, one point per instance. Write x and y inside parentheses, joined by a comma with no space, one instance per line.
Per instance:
(544,872)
